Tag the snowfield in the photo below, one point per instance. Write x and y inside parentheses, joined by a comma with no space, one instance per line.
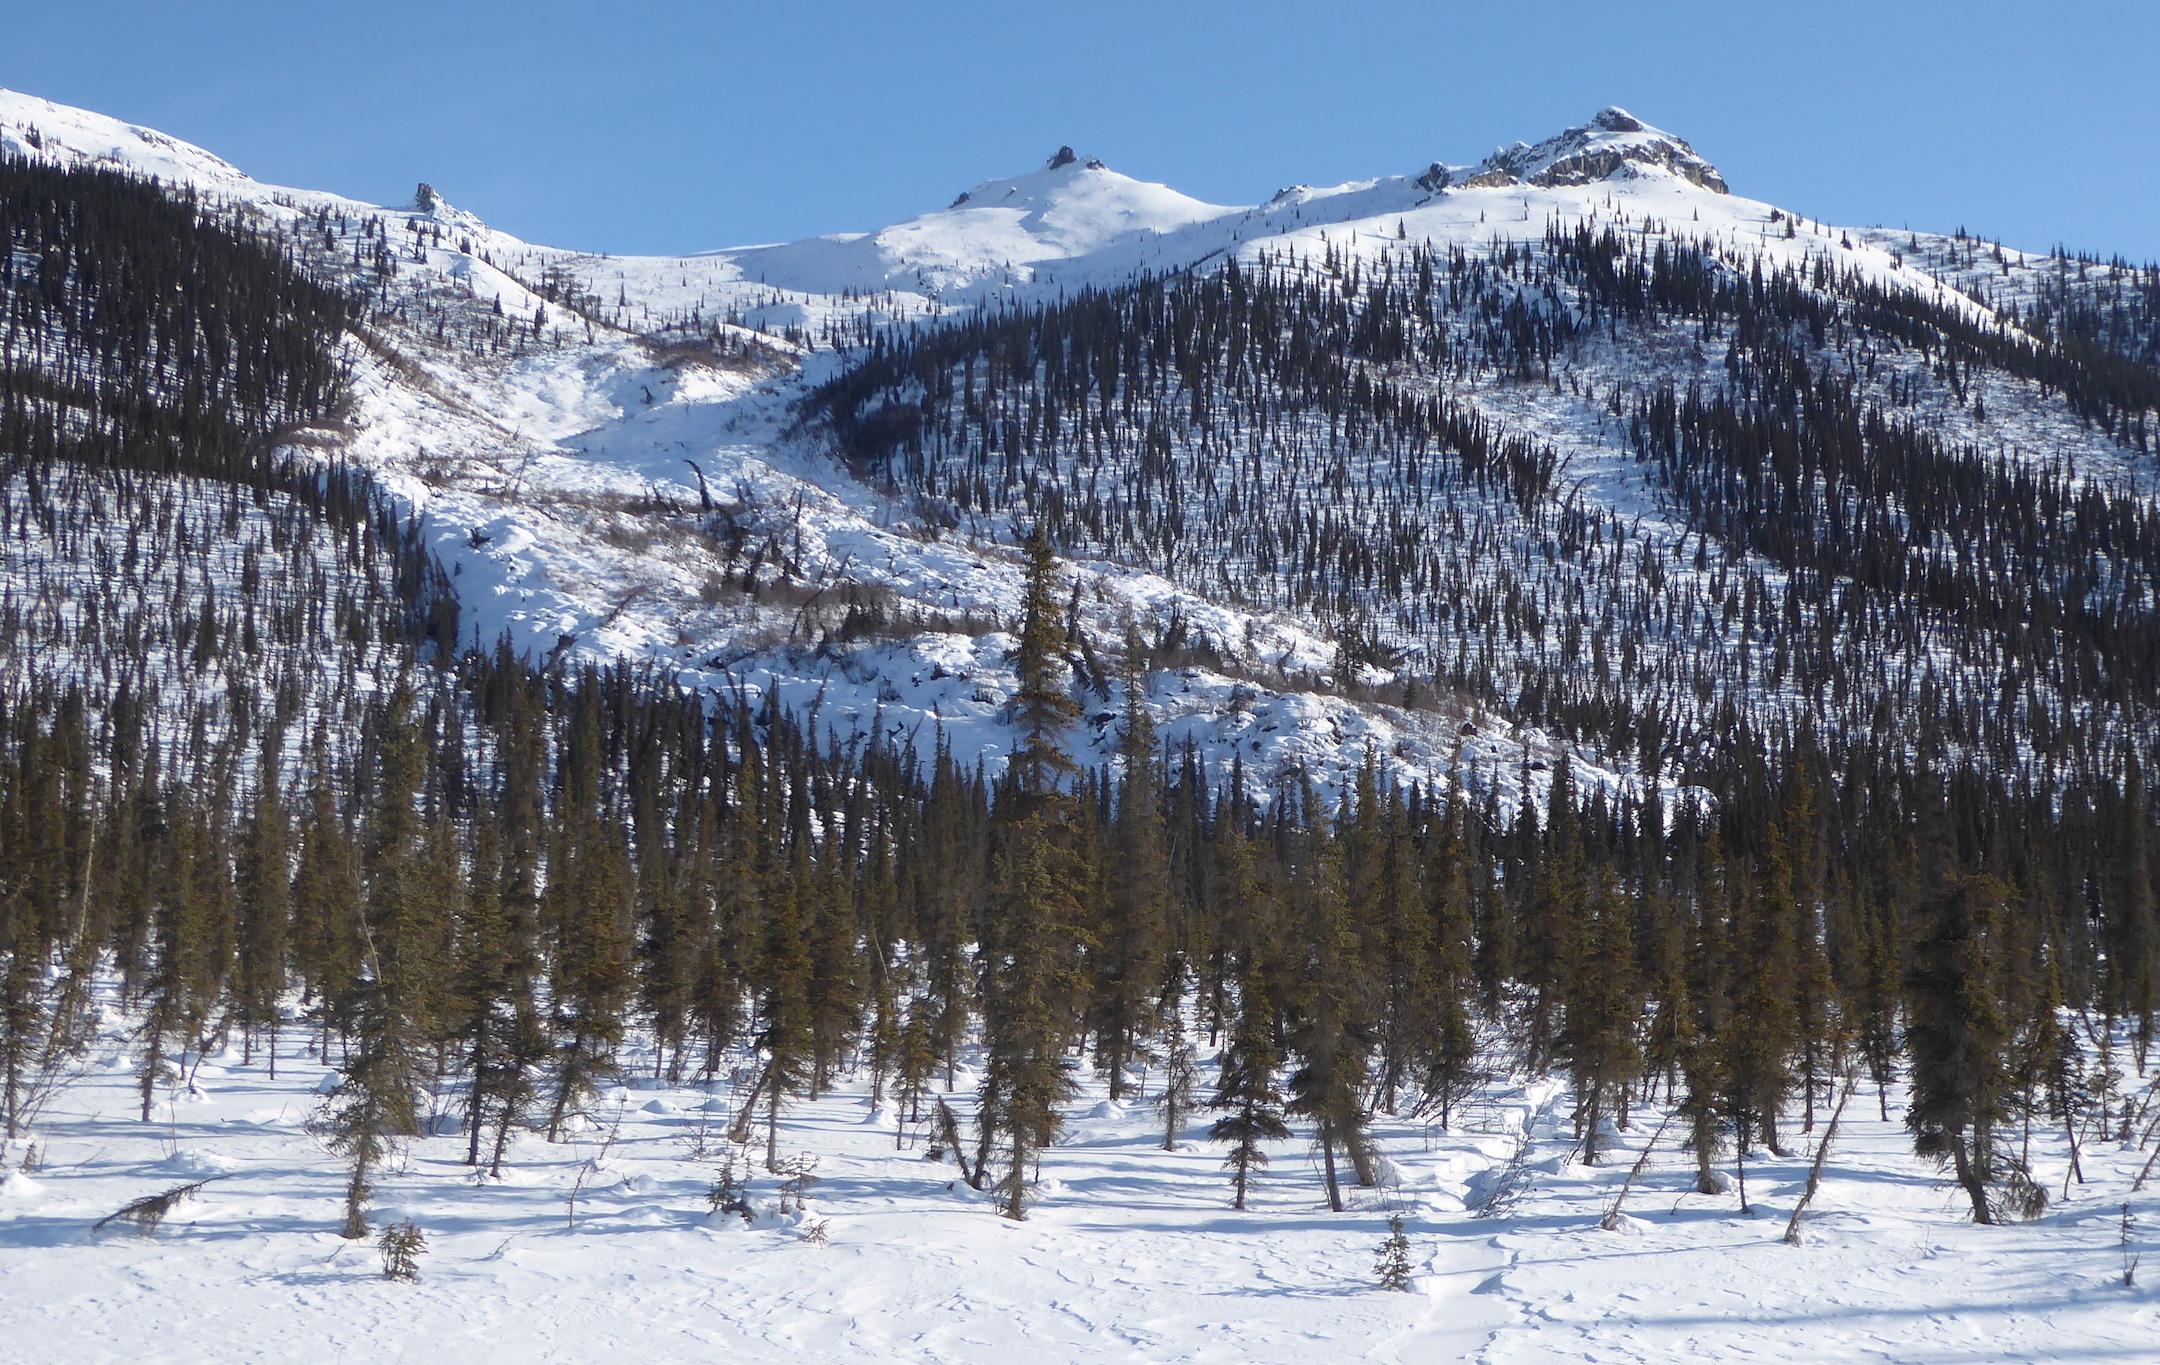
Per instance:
(1130,1253)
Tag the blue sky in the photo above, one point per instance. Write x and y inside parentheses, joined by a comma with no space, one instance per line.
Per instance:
(660,127)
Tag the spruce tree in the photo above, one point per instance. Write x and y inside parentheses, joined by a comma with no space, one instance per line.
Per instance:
(590,903)
(1332,1044)
(1032,983)
(1958,1036)
(1042,704)
(1133,943)
(1598,1037)
(264,893)
(1245,1088)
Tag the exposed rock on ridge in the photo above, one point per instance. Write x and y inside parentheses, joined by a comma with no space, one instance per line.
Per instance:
(1612,143)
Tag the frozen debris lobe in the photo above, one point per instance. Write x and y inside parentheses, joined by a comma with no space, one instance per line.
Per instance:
(1614,143)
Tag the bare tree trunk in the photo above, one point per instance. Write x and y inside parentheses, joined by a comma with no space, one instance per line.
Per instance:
(1814,1178)
(1705,1138)
(1969,1177)
(1327,1152)
(1016,1195)
(1611,1219)
(1740,1146)
(772,1128)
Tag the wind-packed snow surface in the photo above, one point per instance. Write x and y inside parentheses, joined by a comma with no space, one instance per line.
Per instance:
(605,1246)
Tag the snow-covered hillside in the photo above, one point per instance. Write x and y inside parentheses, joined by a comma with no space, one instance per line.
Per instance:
(609,457)
(539,465)
(1391,484)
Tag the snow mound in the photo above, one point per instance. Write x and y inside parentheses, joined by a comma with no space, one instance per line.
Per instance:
(196,1162)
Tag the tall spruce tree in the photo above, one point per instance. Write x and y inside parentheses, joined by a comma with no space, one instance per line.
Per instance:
(1958,1035)
(1245,1088)
(1133,944)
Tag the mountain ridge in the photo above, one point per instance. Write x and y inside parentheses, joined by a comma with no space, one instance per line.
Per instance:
(616,379)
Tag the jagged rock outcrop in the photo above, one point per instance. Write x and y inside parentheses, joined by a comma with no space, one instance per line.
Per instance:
(1614,142)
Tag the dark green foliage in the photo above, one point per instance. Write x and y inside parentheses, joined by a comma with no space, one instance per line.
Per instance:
(1393,1266)
(1283,433)
(401,1245)
(1958,1036)
(1032,995)
(178,343)
(1246,1089)
(488,875)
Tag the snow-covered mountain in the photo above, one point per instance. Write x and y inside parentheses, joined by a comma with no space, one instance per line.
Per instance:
(1570,461)
(612,460)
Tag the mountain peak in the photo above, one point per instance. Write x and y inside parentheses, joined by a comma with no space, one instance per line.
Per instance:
(1613,143)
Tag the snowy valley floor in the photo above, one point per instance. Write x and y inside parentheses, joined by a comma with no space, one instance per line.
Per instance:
(1131,1253)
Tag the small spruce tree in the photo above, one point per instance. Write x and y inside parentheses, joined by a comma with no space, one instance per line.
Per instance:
(401,1245)
(1393,1267)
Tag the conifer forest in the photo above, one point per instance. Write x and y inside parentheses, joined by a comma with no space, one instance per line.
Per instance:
(1878,669)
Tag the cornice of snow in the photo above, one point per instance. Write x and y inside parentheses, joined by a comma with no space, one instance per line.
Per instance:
(1077,222)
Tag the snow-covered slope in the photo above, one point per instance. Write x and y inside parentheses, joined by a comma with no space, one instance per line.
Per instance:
(607,454)
(992,236)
